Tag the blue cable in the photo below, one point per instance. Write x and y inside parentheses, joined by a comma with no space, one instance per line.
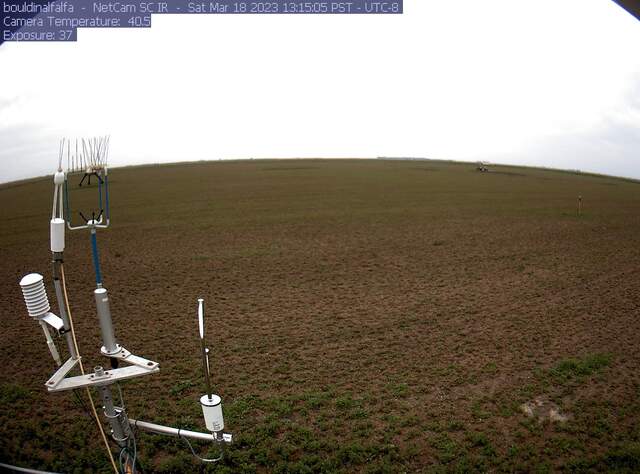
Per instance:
(99,193)
(96,261)
(66,202)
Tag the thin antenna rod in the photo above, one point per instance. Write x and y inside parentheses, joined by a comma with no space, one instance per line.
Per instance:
(60,155)
(205,351)
(84,151)
(106,155)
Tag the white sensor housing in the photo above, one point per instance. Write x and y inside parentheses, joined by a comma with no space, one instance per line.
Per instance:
(212,411)
(57,234)
(35,295)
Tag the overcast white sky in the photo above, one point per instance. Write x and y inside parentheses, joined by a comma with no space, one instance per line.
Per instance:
(538,82)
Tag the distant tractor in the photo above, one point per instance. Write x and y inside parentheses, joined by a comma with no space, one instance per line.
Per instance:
(482,167)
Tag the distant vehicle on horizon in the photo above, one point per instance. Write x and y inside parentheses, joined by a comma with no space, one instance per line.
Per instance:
(482,166)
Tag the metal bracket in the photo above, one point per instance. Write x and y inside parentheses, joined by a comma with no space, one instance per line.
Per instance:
(61,373)
(109,377)
(127,356)
(53,321)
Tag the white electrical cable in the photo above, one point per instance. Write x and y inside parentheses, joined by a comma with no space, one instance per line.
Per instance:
(11,468)
(205,460)
(75,343)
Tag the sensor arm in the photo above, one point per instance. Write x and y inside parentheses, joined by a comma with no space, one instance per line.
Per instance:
(218,437)
(50,343)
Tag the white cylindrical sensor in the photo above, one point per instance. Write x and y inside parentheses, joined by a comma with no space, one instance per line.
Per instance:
(35,295)
(57,234)
(212,411)
(106,324)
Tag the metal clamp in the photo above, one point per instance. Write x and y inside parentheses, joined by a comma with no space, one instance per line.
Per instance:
(126,356)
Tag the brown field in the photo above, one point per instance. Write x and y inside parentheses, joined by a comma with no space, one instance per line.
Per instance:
(365,316)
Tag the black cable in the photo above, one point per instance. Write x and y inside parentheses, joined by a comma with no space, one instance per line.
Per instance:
(135,445)
(82,405)
(79,402)
(120,465)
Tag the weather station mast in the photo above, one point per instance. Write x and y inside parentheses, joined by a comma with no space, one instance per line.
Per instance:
(89,158)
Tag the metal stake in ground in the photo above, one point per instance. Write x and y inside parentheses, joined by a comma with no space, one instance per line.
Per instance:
(579,206)
(204,348)
(211,403)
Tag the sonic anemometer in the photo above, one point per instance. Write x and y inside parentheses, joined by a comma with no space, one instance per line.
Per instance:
(88,157)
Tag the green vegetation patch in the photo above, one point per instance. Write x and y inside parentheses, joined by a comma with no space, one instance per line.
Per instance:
(571,369)
(12,393)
